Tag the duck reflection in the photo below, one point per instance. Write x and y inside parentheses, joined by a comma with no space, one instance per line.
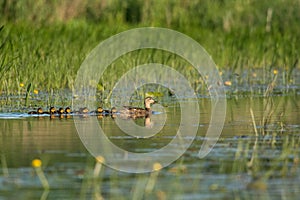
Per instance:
(148,123)
(145,119)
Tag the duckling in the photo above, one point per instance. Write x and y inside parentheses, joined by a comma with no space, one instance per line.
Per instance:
(139,112)
(51,111)
(68,110)
(39,112)
(99,110)
(107,112)
(84,110)
(113,110)
(61,111)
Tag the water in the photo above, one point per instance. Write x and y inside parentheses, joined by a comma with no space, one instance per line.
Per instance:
(240,165)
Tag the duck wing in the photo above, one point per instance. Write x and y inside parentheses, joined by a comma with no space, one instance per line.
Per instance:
(132,109)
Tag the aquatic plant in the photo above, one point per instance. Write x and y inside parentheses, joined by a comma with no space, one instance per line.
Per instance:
(37,164)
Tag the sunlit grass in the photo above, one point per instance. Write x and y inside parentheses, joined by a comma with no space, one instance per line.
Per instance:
(47,52)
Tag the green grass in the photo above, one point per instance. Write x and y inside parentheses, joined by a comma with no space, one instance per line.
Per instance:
(45,49)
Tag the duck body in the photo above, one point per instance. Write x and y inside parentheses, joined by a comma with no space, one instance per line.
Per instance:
(38,112)
(60,111)
(51,111)
(135,112)
(83,110)
(98,111)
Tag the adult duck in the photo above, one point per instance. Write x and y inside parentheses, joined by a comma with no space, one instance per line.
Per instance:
(139,112)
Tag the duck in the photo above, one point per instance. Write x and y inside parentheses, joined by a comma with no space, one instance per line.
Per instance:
(84,110)
(105,112)
(51,111)
(68,110)
(139,112)
(60,111)
(113,112)
(99,110)
(39,112)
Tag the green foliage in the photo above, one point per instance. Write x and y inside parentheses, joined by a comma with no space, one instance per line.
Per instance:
(43,43)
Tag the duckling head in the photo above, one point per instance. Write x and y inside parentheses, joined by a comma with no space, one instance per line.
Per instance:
(40,111)
(60,111)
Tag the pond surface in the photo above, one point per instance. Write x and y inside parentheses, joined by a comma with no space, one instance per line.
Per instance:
(241,165)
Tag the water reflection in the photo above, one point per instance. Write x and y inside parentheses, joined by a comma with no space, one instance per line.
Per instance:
(240,165)
(146,118)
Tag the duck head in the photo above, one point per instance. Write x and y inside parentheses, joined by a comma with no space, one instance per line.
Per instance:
(99,110)
(83,110)
(113,110)
(52,110)
(148,102)
(68,110)
(61,111)
(39,111)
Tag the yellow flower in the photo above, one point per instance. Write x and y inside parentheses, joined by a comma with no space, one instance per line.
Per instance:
(35,91)
(21,84)
(157,166)
(275,71)
(36,163)
(100,159)
(227,83)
